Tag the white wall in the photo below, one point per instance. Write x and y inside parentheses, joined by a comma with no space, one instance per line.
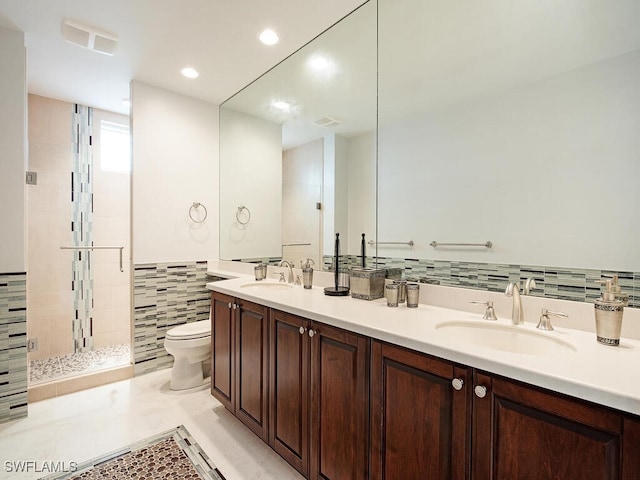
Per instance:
(175,163)
(328,195)
(548,172)
(335,197)
(349,192)
(250,176)
(13,102)
(301,191)
(361,192)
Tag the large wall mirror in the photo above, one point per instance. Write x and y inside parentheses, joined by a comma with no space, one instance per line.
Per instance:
(511,122)
(298,151)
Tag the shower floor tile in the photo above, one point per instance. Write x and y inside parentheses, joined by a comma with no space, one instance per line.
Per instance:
(73,364)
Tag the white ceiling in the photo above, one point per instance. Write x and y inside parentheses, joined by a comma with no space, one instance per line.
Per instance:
(156,39)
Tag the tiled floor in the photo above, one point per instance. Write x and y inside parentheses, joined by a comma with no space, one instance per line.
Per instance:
(84,425)
(65,366)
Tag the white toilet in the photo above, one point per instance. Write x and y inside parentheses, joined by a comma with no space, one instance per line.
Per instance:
(190,345)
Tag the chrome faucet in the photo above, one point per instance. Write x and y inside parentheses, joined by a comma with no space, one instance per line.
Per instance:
(517,315)
(284,263)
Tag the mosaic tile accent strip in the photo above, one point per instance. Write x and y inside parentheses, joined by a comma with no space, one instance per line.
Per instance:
(13,346)
(165,295)
(266,260)
(573,284)
(80,363)
(173,454)
(82,227)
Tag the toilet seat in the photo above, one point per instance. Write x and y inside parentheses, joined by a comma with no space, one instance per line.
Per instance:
(190,331)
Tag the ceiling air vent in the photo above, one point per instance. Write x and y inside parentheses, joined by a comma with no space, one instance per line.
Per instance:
(326,122)
(89,37)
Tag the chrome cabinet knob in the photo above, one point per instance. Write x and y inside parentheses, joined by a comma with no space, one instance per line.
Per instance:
(311,332)
(301,330)
(457,383)
(480,391)
(229,304)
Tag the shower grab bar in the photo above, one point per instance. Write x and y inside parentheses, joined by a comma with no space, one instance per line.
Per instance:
(373,242)
(296,244)
(97,248)
(435,244)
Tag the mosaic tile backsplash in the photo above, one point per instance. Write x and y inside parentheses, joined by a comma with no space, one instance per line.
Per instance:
(575,284)
(165,295)
(13,346)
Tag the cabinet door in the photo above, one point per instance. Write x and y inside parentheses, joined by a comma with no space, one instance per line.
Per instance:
(252,366)
(289,389)
(419,421)
(222,338)
(521,432)
(339,404)
(631,449)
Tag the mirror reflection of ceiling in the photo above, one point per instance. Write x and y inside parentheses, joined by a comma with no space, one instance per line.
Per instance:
(328,79)
(465,49)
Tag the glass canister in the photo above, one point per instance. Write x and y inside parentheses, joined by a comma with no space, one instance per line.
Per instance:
(402,290)
(413,295)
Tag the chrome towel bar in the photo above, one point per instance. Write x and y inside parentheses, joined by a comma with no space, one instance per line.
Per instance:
(435,244)
(409,243)
(97,248)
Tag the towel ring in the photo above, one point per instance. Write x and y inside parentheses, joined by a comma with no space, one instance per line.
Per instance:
(240,209)
(197,205)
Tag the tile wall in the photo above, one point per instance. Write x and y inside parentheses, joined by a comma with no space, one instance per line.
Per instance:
(82,227)
(13,346)
(576,284)
(74,202)
(165,295)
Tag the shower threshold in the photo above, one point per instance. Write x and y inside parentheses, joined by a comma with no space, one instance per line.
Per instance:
(61,367)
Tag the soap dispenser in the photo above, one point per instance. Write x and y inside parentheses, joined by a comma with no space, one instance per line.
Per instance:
(616,289)
(608,310)
(307,272)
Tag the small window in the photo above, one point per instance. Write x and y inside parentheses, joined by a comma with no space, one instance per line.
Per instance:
(115,147)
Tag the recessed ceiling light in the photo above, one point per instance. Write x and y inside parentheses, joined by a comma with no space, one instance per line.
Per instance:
(268,37)
(189,72)
(281,105)
(319,63)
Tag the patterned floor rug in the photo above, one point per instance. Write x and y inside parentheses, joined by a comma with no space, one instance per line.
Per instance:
(169,455)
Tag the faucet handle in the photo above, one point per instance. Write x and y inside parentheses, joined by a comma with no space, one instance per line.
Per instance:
(545,321)
(282,279)
(511,288)
(490,313)
(529,284)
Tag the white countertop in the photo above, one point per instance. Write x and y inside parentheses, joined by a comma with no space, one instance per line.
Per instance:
(606,375)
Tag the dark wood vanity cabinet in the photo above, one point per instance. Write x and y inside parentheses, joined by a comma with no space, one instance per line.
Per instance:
(289,390)
(419,421)
(490,429)
(239,373)
(319,398)
(336,405)
(222,350)
(522,432)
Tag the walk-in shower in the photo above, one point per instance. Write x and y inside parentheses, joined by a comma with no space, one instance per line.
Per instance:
(78,230)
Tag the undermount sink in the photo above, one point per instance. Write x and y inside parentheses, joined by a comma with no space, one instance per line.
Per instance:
(506,338)
(267,285)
